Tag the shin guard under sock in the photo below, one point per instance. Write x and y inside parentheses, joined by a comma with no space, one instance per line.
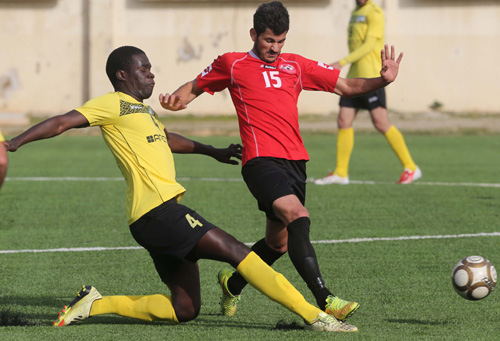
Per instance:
(304,259)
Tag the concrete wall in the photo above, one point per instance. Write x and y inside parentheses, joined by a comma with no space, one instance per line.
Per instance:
(53,52)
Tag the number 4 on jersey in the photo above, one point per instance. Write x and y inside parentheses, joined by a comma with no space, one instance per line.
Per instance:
(193,222)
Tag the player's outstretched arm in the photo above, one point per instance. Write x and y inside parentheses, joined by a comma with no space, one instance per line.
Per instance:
(4,162)
(49,128)
(181,97)
(182,145)
(353,87)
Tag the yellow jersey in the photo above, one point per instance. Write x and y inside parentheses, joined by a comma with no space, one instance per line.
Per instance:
(365,40)
(1,137)
(139,144)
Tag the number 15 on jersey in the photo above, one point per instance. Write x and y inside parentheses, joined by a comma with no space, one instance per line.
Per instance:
(271,78)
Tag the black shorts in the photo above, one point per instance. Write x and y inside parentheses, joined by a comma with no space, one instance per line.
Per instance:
(170,232)
(369,101)
(271,178)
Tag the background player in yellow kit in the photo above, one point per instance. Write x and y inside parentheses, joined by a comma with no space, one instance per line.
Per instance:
(174,235)
(365,40)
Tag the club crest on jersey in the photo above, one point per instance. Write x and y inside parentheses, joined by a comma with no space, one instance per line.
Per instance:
(287,68)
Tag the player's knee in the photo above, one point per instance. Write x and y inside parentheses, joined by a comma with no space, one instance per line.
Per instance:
(343,123)
(382,127)
(187,313)
(279,246)
(290,214)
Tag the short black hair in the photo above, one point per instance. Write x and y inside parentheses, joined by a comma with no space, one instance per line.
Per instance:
(120,59)
(272,15)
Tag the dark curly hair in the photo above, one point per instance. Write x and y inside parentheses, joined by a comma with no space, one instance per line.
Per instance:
(272,15)
(120,59)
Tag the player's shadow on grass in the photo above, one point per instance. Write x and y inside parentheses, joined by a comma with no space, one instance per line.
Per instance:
(18,311)
(50,301)
(199,322)
(14,311)
(415,321)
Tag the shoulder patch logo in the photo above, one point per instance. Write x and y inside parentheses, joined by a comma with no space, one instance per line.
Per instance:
(326,66)
(358,19)
(206,71)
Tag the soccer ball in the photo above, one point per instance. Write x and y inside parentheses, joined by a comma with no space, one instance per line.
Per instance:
(474,277)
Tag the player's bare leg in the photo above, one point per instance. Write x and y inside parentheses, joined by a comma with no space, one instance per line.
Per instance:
(345,145)
(380,120)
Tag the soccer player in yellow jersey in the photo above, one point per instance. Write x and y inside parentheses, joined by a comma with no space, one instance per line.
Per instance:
(365,40)
(175,235)
(4,161)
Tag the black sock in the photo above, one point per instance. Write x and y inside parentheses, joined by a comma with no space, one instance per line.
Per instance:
(304,259)
(236,282)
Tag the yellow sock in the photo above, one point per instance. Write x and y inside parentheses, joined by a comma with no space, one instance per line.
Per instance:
(345,144)
(275,286)
(147,308)
(397,142)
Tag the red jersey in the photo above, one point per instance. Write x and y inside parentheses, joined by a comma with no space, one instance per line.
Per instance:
(265,97)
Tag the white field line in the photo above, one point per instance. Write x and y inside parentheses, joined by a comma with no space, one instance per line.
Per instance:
(335,241)
(385,239)
(61,178)
(181,179)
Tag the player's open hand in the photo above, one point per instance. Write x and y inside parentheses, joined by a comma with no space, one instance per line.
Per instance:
(226,155)
(390,67)
(171,102)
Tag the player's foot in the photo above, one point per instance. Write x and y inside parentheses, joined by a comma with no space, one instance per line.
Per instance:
(339,308)
(228,301)
(332,179)
(79,308)
(328,323)
(408,176)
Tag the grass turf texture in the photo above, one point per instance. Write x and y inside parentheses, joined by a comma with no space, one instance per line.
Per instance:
(404,287)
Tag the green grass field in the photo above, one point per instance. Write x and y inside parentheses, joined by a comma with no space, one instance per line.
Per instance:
(403,285)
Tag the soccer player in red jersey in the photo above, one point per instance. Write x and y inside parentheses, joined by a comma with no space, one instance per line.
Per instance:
(265,85)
